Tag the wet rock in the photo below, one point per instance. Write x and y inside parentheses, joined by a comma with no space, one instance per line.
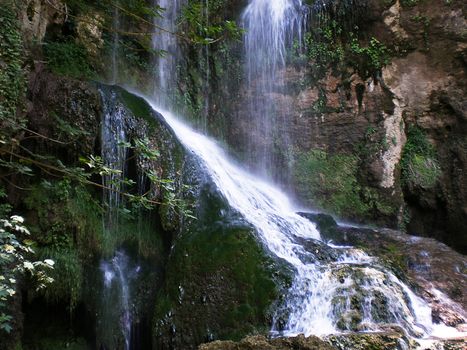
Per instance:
(372,341)
(429,266)
(59,105)
(260,342)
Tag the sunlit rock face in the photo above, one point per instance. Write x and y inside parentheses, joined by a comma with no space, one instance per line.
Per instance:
(37,15)
(343,112)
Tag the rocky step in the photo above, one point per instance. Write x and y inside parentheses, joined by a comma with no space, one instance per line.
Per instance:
(389,340)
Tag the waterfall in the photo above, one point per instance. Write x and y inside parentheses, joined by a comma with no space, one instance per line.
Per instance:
(117,278)
(165,42)
(113,157)
(271,26)
(115,45)
(116,317)
(334,288)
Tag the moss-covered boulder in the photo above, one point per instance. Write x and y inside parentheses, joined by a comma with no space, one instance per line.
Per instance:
(218,281)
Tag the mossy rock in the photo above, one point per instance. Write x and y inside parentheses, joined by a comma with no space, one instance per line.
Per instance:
(391,340)
(325,224)
(262,343)
(220,283)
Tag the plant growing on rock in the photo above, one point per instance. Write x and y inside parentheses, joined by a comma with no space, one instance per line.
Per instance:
(419,165)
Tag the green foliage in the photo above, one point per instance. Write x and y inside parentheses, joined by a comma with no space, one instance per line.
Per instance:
(68,58)
(419,165)
(321,48)
(201,29)
(15,254)
(330,47)
(67,214)
(68,274)
(330,182)
(371,58)
(325,47)
(12,81)
(68,227)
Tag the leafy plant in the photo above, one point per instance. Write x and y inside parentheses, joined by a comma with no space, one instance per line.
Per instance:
(200,30)
(15,254)
(371,58)
(12,82)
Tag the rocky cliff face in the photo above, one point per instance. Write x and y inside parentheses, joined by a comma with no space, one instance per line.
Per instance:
(376,132)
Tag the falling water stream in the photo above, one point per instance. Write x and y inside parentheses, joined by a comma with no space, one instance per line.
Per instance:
(270,26)
(117,274)
(165,42)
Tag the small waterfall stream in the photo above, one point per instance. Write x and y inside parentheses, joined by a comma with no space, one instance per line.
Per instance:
(270,26)
(116,319)
(165,42)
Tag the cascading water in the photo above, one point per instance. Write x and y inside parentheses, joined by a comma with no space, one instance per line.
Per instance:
(270,26)
(118,275)
(114,157)
(335,288)
(116,272)
(165,42)
(115,45)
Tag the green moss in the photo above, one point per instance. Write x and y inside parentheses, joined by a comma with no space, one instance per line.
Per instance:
(229,260)
(219,279)
(65,214)
(331,183)
(137,106)
(419,164)
(138,234)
